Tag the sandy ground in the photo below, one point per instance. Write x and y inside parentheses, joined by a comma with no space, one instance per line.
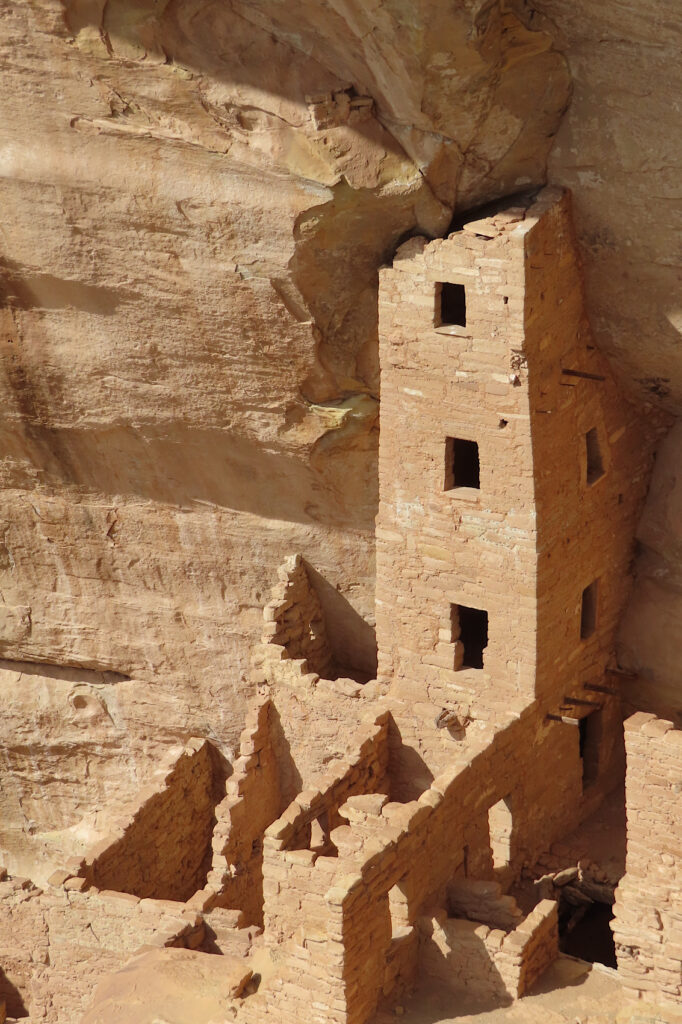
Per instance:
(570,992)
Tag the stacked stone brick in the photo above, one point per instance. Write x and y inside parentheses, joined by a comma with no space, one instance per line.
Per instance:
(489,964)
(164,850)
(294,619)
(521,379)
(648,909)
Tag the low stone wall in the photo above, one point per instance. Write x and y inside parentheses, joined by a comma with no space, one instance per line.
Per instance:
(487,963)
(164,850)
(648,908)
(291,879)
(57,943)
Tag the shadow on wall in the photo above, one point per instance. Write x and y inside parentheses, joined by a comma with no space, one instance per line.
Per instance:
(409,773)
(352,641)
(288,775)
(179,466)
(482,990)
(166,851)
(650,636)
(12,997)
(21,289)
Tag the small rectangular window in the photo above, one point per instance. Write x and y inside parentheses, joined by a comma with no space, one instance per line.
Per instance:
(453,305)
(590,741)
(595,462)
(462,465)
(588,610)
(470,628)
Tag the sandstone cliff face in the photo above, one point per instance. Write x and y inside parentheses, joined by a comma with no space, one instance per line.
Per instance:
(196,198)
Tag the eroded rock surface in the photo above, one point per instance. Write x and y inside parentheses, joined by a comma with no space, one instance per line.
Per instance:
(196,198)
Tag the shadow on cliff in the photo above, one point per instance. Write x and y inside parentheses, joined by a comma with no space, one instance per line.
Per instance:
(352,640)
(185,466)
(22,289)
(12,997)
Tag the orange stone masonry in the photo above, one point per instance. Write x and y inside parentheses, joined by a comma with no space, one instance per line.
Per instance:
(648,909)
(369,835)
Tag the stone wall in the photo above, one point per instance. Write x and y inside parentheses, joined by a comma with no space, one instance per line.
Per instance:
(648,909)
(294,619)
(293,897)
(346,917)
(521,380)
(164,852)
(256,796)
(57,943)
(485,963)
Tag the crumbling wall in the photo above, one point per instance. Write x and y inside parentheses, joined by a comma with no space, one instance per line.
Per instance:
(294,619)
(488,963)
(647,922)
(164,852)
(337,914)
(56,944)
(289,886)
(255,798)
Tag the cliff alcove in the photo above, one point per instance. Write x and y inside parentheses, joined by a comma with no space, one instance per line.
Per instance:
(340,522)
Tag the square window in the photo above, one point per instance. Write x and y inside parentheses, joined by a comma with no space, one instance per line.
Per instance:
(462,466)
(595,462)
(453,304)
(588,610)
(470,628)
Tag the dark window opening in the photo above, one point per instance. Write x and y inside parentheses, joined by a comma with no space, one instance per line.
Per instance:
(462,465)
(585,932)
(588,610)
(595,463)
(453,305)
(590,741)
(470,628)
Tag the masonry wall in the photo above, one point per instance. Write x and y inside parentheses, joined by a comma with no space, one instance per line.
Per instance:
(523,380)
(648,909)
(333,913)
(259,789)
(294,618)
(586,518)
(292,899)
(487,964)
(55,945)
(164,852)
(438,547)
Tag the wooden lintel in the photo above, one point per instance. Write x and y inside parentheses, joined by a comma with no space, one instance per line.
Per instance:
(583,374)
(562,718)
